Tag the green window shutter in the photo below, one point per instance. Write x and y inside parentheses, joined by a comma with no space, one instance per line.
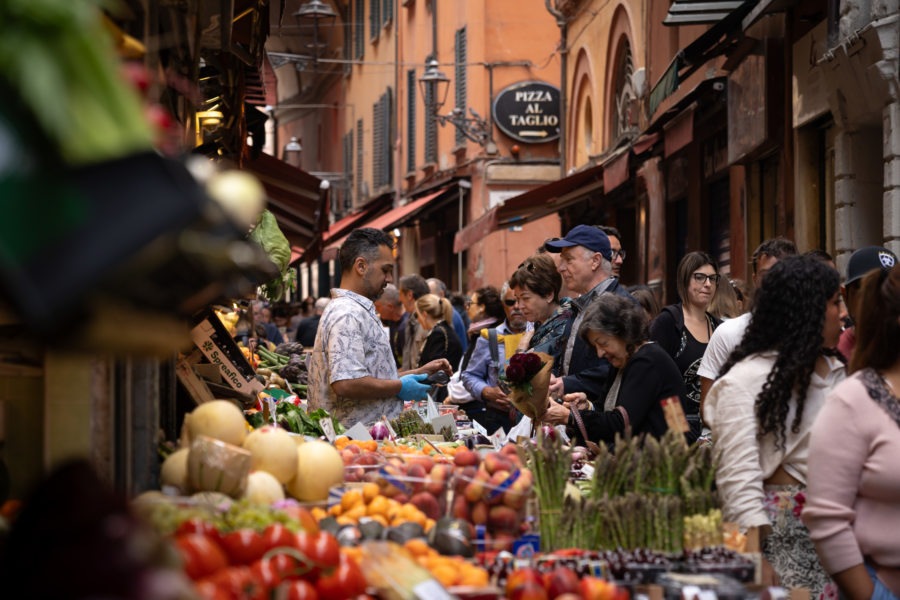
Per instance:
(430,127)
(387,117)
(359,161)
(359,23)
(377,136)
(387,11)
(460,79)
(410,120)
(374,19)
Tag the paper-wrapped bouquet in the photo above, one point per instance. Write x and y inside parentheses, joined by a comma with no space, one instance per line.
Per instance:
(527,376)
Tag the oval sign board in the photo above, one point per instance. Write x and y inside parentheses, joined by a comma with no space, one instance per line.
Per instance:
(528,112)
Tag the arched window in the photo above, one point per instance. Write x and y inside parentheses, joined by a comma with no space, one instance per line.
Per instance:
(624,119)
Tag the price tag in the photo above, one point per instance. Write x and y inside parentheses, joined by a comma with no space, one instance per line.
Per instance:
(328,427)
(674,414)
(430,589)
(431,411)
(497,439)
(390,429)
(270,404)
(479,428)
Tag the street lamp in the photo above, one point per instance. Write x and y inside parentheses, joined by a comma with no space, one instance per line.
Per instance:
(474,128)
(292,152)
(435,80)
(311,13)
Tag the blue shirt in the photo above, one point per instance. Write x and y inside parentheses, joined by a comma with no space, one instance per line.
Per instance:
(477,375)
(460,328)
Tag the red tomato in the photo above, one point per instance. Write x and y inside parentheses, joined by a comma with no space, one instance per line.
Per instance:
(298,590)
(320,548)
(243,546)
(201,555)
(274,570)
(197,525)
(346,581)
(277,535)
(208,590)
(239,582)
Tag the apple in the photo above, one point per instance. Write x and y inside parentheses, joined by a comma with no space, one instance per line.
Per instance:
(521,576)
(561,581)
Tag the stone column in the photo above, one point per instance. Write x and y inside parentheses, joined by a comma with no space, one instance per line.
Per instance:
(891,198)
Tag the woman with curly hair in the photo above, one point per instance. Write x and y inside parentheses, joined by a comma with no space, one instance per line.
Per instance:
(762,408)
(536,284)
(617,329)
(853,507)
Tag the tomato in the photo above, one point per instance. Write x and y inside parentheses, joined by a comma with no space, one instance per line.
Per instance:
(304,517)
(345,582)
(197,525)
(281,567)
(201,555)
(243,546)
(298,590)
(320,548)
(208,590)
(239,582)
(277,535)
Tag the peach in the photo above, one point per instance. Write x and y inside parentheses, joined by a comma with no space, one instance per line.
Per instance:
(428,504)
(461,509)
(466,458)
(503,518)
(474,490)
(480,513)
(495,461)
(423,461)
(347,456)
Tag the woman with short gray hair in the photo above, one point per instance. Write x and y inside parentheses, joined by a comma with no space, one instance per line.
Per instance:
(643,375)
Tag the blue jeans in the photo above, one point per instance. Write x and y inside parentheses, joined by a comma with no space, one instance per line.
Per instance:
(880,592)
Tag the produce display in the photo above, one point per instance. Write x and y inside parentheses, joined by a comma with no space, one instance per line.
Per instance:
(419,515)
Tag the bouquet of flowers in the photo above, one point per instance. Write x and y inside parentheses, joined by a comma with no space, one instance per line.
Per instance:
(528,378)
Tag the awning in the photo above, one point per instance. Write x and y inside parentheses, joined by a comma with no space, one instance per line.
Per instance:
(389,220)
(698,12)
(615,170)
(533,204)
(295,197)
(714,42)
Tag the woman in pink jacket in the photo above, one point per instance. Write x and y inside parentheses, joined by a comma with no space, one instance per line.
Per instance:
(853,498)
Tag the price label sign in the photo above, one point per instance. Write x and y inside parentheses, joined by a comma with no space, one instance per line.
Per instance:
(328,427)
(390,429)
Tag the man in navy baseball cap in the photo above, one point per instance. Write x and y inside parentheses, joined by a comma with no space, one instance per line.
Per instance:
(863,261)
(586,267)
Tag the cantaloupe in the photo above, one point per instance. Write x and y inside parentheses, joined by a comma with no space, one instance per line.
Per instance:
(263,488)
(273,451)
(219,419)
(319,467)
(174,470)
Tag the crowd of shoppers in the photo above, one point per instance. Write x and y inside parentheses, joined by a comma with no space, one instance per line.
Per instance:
(758,371)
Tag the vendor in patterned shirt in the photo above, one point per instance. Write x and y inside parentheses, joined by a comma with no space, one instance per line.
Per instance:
(352,372)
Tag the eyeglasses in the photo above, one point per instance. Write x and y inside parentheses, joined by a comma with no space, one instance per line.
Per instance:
(509,302)
(618,253)
(702,277)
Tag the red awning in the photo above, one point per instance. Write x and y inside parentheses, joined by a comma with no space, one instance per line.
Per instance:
(389,220)
(533,204)
(615,170)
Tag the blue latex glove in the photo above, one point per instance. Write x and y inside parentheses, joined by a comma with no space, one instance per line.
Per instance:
(412,389)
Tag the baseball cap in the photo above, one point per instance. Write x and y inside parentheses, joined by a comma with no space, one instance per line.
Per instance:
(583,235)
(869,259)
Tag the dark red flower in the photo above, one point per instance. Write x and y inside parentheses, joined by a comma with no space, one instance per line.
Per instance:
(531,362)
(515,373)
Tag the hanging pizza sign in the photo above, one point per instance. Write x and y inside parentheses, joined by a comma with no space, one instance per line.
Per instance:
(528,112)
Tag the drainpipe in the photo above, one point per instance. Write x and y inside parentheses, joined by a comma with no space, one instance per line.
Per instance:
(563,23)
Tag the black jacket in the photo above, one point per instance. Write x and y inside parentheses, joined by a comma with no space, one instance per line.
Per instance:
(588,372)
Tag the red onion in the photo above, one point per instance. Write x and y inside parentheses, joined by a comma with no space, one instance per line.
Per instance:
(379,431)
(548,432)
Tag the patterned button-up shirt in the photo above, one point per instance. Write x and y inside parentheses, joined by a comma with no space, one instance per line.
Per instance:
(351,343)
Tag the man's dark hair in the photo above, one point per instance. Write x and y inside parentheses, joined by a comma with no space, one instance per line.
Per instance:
(416,284)
(610,231)
(363,242)
(489,297)
(819,255)
(776,247)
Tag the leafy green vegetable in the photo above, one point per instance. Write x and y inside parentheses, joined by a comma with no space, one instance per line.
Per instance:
(269,236)
(256,419)
(296,420)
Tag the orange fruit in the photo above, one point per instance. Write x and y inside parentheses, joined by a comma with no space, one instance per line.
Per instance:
(417,547)
(351,499)
(369,491)
(445,574)
(378,506)
(335,511)
(318,513)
